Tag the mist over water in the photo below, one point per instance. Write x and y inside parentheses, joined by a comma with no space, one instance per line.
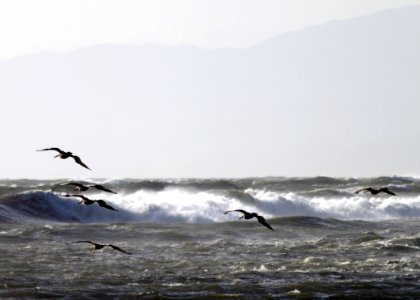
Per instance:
(328,241)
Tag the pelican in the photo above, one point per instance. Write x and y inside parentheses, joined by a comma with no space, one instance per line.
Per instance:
(84,187)
(246,215)
(63,155)
(376,191)
(87,201)
(97,246)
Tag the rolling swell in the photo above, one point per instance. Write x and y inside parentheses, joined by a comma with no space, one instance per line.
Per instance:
(205,200)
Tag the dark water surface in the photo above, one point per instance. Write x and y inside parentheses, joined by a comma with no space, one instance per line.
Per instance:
(328,243)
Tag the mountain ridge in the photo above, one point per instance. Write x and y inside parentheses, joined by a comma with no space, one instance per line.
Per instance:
(331,95)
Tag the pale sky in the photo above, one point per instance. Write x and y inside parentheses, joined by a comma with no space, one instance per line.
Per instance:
(28,26)
(330,100)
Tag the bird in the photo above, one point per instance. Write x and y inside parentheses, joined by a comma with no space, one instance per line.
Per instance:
(63,155)
(97,246)
(376,191)
(84,187)
(246,215)
(87,201)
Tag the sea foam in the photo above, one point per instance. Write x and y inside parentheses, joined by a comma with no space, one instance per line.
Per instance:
(204,207)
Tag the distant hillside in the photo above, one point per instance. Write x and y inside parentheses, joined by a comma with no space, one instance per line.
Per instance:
(342,91)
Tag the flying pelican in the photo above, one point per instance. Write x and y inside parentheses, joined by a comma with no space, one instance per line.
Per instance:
(376,191)
(247,216)
(84,187)
(87,201)
(63,155)
(97,246)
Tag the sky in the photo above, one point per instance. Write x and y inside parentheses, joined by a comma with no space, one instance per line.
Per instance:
(164,132)
(28,26)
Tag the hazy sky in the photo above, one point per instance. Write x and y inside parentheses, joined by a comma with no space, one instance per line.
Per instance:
(28,26)
(132,117)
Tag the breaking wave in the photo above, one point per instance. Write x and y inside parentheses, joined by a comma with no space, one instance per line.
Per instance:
(205,200)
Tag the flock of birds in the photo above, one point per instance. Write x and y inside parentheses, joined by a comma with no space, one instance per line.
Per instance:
(80,187)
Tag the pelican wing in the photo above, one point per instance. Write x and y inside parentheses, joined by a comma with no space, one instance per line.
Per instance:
(78,196)
(54,148)
(264,222)
(385,190)
(118,249)
(102,188)
(79,161)
(75,184)
(238,210)
(103,204)
(362,190)
(70,195)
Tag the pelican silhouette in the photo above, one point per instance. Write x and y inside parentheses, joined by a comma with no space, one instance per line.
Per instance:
(376,191)
(87,201)
(63,155)
(97,246)
(84,187)
(246,215)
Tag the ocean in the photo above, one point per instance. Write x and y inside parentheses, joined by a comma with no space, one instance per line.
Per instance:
(328,242)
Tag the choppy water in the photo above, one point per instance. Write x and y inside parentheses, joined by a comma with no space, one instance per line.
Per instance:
(328,243)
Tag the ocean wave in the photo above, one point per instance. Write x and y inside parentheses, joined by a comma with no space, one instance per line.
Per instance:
(206,200)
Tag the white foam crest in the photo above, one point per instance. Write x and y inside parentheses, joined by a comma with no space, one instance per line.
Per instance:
(192,206)
(364,207)
(356,207)
(263,194)
(174,204)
